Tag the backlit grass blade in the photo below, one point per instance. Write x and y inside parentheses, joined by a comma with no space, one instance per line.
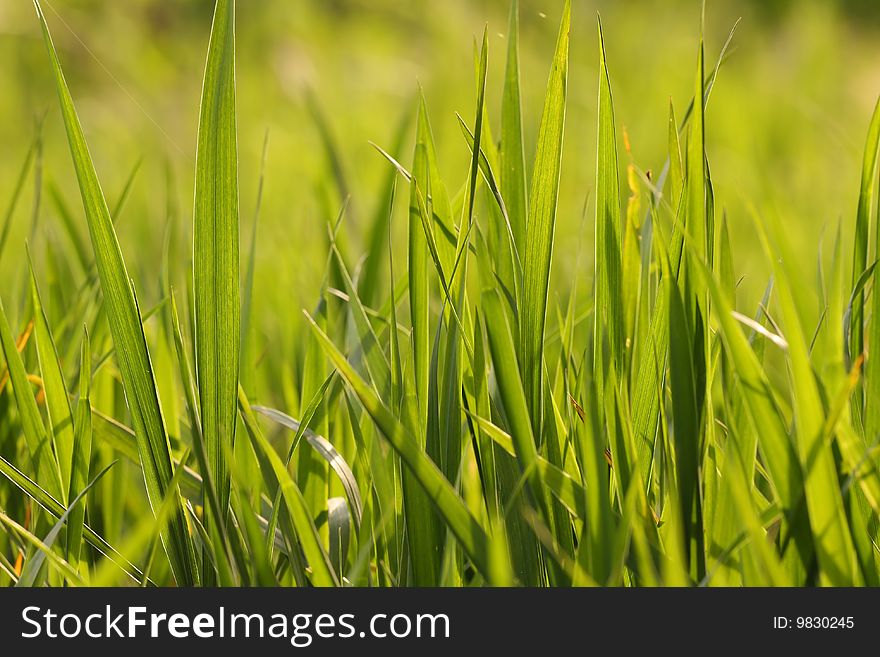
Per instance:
(68,572)
(418,268)
(128,335)
(32,568)
(608,318)
(489,177)
(215,252)
(276,476)
(82,450)
(513,165)
(326,450)
(368,281)
(863,218)
(39,441)
(452,509)
(686,431)
(541,227)
(48,502)
(501,344)
(867,198)
(16,194)
(780,457)
(60,427)
(831,535)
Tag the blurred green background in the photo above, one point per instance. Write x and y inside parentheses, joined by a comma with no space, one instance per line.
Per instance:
(786,121)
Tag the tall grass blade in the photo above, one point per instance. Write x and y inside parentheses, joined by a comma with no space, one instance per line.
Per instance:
(128,335)
(541,227)
(608,318)
(513,164)
(216,254)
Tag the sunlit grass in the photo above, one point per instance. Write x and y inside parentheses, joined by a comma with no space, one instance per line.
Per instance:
(465,423)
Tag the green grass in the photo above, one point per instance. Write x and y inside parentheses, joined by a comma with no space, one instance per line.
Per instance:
(449,415)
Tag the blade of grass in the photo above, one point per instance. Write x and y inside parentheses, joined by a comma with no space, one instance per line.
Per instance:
(608,318)
(276,476)
(54,507)
(463,525)
(60,418)
(32,568)
(862,229)
(37,438)
(541,227)
(216,255)
(125,327)
(82,451)
(513,164)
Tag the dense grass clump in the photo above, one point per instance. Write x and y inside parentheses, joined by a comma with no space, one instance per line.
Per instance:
(466,423)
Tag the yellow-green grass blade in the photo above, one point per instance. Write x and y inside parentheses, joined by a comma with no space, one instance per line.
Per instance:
(368,341)
(491,180)
(568,491)
(686,429)
(462,524)
(422,530)
(695,170)
(311,471)
(866,201)
(418,268)
(501,345)
(60,418)
(676,168)
(82,451)
(501,474)
(325,449)
(32,567)
(276,476)
(16,194)
(67,571)
(838,561)
(513,164)
(128,336)
(216,253)
(867,192)
(779,455)
(608,318)
(48,502)
(368,281)
(38,439)
(541,227)
(698,221)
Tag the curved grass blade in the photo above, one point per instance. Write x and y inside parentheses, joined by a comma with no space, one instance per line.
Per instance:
(32,568)
(325,448)
(452,509)
(831,534)
(69,573)
(53,506)
(276,476)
